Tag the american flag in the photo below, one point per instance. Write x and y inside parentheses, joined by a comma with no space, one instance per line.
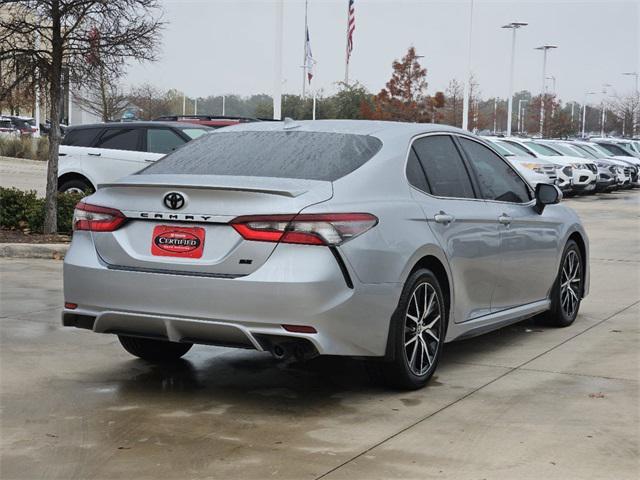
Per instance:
(351,26)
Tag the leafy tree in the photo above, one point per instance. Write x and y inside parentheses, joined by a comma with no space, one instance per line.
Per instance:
(404,96)
(77,37)
(349,101)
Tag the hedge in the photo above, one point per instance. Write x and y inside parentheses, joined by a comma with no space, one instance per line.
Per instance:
(23,210)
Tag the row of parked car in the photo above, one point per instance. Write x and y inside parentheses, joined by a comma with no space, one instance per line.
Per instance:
(101,153)
(575,166)
(17,126)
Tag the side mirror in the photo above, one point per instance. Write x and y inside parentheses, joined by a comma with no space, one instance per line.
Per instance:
(546,194)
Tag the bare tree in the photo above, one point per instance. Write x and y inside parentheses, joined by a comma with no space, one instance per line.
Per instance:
(627,109)
(453,103)
(102,96)
(74,36)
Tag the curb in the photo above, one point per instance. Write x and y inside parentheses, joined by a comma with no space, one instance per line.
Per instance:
(54,251)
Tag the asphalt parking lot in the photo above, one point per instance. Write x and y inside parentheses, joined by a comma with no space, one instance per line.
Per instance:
(525,402)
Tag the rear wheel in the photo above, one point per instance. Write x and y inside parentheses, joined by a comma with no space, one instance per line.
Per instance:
(154,350)
(566,293)
(419,326)
(76,185)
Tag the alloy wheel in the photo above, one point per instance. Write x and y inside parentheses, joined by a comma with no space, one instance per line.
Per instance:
(570,284)
(422,329)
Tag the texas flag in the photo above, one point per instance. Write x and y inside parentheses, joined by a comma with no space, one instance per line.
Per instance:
(309,61)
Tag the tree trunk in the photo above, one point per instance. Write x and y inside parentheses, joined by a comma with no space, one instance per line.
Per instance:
(50,206)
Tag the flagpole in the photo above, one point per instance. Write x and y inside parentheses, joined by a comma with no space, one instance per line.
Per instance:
(277,64)
(346,49)
(314,103)
(304,58)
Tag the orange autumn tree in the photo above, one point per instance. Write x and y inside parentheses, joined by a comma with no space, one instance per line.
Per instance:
(404,98)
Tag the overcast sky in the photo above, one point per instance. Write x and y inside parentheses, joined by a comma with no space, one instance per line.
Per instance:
(213,47)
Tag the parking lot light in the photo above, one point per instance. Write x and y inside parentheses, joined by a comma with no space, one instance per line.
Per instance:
(584,111)
(544,49)
(513,26)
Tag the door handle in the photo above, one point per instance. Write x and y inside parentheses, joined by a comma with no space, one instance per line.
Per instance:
(94,154)
(504,219)
(443,218)
(148,160)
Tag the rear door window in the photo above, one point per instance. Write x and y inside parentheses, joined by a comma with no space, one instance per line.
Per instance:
(121,139)
(81,137)
(447,175)
(304,155)
(163,140)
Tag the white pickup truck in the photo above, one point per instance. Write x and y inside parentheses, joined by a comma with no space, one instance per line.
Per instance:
(103,152)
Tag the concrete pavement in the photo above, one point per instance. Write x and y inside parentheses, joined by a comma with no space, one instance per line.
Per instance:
(523,402)
(23,174)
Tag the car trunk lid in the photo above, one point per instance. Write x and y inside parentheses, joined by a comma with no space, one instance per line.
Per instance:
(210,203)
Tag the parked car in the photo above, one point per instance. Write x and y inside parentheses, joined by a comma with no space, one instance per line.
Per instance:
(612,174)
(45,128)
(618,146)
(7,129)
(534,171)
(583,179)
(632,164)
(99,153)
(371,239)
(564,170)
(213,121)
(26,126)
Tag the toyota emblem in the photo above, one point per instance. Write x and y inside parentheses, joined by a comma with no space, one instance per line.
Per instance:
(174,200)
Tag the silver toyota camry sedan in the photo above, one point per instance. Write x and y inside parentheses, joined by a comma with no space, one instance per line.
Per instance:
(369,239)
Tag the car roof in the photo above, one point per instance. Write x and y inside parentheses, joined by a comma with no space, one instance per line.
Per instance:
(138,124)
(377,128)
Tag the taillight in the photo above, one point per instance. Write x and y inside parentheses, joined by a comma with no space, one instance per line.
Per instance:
(96,219)
(307,229)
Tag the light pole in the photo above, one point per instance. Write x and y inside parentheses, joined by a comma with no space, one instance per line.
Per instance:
(465,100)
(584,111)
(553,79)
(544,49)
(223,105)
(604,95)
(636,114)
(513,26)
(553,92)
(520,102)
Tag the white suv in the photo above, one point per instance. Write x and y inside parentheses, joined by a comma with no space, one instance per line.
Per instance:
(573,172)
(94,154)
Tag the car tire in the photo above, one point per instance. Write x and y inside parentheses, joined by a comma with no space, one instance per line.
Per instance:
(154,350)
(412,366)
(76,185)
(566,297)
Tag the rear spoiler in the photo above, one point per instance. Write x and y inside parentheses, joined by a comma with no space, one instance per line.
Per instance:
(274,186)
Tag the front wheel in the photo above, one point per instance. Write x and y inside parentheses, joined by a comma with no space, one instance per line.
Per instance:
(154,350)
(566,293)
(418,329)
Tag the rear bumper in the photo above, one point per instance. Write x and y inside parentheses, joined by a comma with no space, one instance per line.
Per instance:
(298,285)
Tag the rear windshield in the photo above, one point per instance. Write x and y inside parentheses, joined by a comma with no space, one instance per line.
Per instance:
(303,155)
